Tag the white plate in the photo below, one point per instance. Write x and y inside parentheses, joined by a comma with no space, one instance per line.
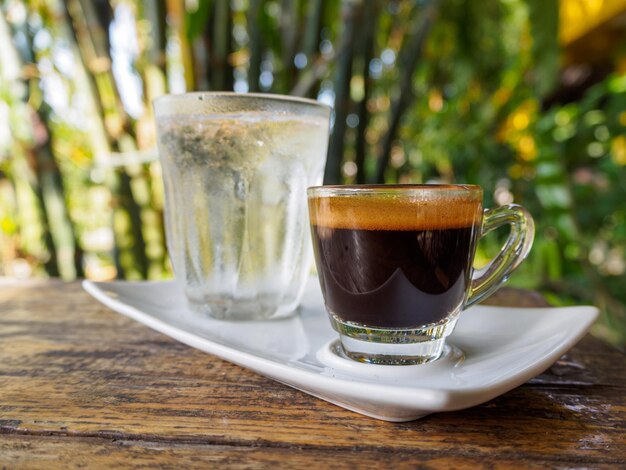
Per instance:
(492,350)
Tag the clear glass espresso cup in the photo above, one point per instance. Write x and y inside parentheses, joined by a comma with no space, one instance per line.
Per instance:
(236,168)
(395,263)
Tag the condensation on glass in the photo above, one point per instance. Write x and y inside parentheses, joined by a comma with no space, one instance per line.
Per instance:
(236,168)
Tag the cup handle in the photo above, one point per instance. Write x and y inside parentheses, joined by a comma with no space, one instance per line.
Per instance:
(486,281)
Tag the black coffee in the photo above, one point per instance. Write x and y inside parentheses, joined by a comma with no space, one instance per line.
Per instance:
(400,276)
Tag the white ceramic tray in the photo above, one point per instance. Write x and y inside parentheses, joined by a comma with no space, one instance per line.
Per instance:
(492,350)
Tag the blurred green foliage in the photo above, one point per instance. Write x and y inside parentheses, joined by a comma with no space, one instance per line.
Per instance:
(423,91)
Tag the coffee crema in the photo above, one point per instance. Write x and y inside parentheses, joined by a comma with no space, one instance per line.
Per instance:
(390,212)
(394,261)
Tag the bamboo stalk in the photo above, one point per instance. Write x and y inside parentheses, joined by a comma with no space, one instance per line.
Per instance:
(318,68)
(198,30)
(59,230)
(370,18)
(288,28)
(62,227)
(176,16)
(409,58)
(155,11)
(91,37)
(152,68)
(51,265)
(343,75)
(10,69)
(256,44)
(311,37)
(221,69)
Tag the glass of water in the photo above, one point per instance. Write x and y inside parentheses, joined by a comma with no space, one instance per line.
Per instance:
(236,168)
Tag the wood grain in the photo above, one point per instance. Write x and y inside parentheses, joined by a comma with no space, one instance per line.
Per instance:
(80,384)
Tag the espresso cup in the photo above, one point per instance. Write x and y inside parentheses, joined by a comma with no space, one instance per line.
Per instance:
(395,263)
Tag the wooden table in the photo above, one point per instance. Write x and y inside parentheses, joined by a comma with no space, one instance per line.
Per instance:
(83,386)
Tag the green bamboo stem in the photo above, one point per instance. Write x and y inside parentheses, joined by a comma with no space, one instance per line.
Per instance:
(59,230)
(255,44)
(23,159)
(176,19)
(221,70)
(318,68)
(51,265)
(343,75)
(288,28)
(370,18)
(153,71)
(313,23)
(91,36)
(62,227)
(155,11)
(410,55)
(311,37)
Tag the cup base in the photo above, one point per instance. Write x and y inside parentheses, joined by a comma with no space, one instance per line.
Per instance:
(229,310)
(392,346)
(397,354)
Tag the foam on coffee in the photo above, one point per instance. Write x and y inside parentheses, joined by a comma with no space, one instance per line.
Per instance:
(391,212)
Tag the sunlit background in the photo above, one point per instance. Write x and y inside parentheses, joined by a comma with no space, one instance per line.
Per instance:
(525,97)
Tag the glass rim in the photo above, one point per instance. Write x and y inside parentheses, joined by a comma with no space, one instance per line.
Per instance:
(440,189)
(199,95)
